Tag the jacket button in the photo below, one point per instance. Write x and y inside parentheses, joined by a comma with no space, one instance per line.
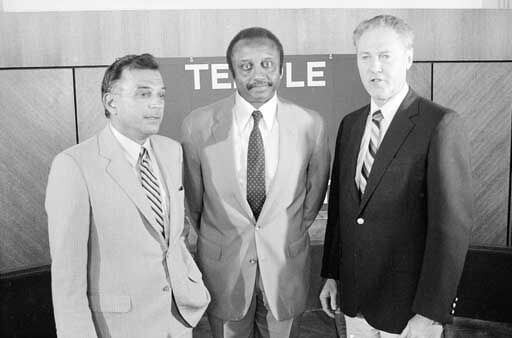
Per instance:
(165,288)
(253,261)
(360,220)
(258,227)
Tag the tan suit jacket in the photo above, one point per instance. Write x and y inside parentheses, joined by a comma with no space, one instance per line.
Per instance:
(231,243)
(113,273)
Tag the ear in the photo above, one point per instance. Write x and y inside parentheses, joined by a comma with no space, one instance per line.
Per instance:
(109,103)
(409,56)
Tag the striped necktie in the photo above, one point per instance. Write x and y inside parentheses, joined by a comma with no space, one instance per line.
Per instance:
(151,188)
(373,146)
(256,168)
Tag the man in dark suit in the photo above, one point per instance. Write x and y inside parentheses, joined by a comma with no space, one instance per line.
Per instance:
(400,200)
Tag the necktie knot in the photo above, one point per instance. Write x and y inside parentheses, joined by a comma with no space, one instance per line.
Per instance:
(143,155)
(377,117)
(257,116)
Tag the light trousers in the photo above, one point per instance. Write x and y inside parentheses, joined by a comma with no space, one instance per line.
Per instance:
(258,321)
(358,327)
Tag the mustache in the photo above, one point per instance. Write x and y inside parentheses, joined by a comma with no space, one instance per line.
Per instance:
(259,83)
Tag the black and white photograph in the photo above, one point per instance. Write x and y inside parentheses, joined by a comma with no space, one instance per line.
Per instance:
(267,169)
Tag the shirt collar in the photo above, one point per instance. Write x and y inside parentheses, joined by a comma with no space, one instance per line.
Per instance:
(243,111)
(131,148)
(390,108)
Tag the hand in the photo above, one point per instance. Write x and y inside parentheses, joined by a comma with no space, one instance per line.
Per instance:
(421,327)
(328,297)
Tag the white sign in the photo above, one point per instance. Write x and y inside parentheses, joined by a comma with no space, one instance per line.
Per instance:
(219,75)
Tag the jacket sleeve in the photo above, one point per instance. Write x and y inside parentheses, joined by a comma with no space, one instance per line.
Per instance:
(450,202)
(317,175)
(68,209)
(332,251)
(192,177)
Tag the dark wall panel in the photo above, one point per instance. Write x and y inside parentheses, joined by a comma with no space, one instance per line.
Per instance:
(37,115)
(482,94)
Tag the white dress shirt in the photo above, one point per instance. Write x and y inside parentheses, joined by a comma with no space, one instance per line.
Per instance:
(269,129)
(388,111)
(132,150)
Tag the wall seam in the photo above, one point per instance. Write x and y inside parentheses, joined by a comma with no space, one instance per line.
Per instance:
(509,230)
(75,106)
(432,81)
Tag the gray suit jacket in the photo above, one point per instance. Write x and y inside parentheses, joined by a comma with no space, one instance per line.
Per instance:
(230,240)
(113,273)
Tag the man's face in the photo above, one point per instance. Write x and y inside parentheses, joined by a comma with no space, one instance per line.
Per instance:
(383,61)
(256,69)
(137,103)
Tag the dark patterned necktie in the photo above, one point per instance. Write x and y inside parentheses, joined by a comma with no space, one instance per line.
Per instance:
(373,146)
(151,188)
(256,168)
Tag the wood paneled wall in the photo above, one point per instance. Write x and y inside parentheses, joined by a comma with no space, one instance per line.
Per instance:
(482,94)
(89,108)
(37,114)
(97,38)
(38,109)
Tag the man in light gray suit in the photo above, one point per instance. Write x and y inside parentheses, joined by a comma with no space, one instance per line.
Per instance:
(120,266)
(256,169)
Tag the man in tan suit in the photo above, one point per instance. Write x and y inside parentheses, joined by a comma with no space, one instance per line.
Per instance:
(256,169)
(120,267)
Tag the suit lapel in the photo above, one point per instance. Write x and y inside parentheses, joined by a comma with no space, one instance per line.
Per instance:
(123,174)
(224,150)
(355,137)
(287,149)
(396,134)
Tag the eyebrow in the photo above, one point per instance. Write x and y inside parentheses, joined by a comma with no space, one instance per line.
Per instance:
(371,52)
(147,87)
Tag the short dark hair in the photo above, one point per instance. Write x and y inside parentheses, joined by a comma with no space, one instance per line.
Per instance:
(115,70)
(251,34)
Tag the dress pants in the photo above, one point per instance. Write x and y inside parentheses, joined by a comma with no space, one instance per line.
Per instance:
(258,321)
(358,327)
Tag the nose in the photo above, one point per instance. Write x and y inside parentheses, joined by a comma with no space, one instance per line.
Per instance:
(375,65)
(157,102)
(259,72)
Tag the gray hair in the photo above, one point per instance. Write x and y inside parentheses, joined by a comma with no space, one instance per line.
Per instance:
(403,30)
